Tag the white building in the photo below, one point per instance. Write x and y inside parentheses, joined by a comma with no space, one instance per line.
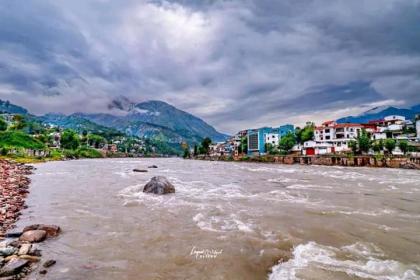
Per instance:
(337,136)
(394,119)
(272,138)
(418,129)
(317,148)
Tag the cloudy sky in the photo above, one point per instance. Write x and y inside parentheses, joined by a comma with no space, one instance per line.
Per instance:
(236,64)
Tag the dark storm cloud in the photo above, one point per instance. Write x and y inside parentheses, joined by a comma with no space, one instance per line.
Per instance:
(237,64)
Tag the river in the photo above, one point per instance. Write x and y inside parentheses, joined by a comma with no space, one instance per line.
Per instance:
(227,221)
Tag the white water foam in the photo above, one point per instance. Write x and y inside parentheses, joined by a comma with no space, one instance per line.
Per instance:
(365,261)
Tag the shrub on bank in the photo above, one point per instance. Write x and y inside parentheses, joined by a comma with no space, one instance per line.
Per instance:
(88,153)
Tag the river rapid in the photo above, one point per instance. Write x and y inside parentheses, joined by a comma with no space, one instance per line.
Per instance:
(227,221)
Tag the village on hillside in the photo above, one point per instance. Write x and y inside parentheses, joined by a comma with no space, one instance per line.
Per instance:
(393,135)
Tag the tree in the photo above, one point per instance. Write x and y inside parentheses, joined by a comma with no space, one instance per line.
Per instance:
(363,142)
(19,122)
(353,146)
(287,142)
(70,140)
(186,153)
(3,125)
(96,141)
(205,145)
(403,145)
(270,148)
(378,146)
(195,150)
(306,133)
(390,145)
(243,147)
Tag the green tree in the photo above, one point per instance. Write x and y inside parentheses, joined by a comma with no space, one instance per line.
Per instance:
(353,146)
(363,142)
(403,145)
(270,148)
(19,122)
(390,145)
(287,142)
(378,146)
(96,141)
(205,145)
(3,125)
(70,140)
(306,133)
(195,150)
(186,153)
(243,147)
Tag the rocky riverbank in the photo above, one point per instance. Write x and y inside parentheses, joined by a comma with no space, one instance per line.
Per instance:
(19,253)
(14,185)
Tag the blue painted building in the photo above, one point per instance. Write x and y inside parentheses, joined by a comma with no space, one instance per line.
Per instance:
(257,137)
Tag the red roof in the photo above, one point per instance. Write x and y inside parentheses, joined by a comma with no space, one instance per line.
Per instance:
(347,125)
(339,125)
(327,122)
(376,121)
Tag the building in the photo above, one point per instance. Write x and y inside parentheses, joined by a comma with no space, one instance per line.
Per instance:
(418,129)
(112,148)
(272,138)
(332,137)
(258,138)
(311,148)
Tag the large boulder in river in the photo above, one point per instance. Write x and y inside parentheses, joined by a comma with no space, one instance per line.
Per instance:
(52,230)
(159,185)
(33,236)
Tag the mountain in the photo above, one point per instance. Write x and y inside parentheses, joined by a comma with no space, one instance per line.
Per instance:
(156,119)
(380,113)
(7,107)
(76,123)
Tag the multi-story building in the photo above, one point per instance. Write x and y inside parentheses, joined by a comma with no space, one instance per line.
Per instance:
(258,138)
(332,137)
(418,128)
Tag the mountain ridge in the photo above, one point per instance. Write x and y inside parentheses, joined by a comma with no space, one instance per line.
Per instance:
(150,119)
(379,113)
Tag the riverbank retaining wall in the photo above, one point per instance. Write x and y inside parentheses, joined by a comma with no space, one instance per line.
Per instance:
(368,161)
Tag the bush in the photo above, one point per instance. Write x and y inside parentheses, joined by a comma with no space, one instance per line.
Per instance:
(4,151)
(3,125)
(88,153)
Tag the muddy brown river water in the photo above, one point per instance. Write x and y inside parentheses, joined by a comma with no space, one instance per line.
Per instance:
(227,221)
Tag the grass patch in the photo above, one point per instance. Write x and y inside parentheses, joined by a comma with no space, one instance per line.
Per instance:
(11,139)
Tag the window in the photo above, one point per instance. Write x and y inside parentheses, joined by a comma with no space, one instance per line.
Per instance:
(253,141)
(327,130)
(327,137)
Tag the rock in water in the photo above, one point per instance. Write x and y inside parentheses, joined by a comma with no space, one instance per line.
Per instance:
(52,230)
(159,185)
(33,236)
(49,263)
(152,166)
(139,170)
